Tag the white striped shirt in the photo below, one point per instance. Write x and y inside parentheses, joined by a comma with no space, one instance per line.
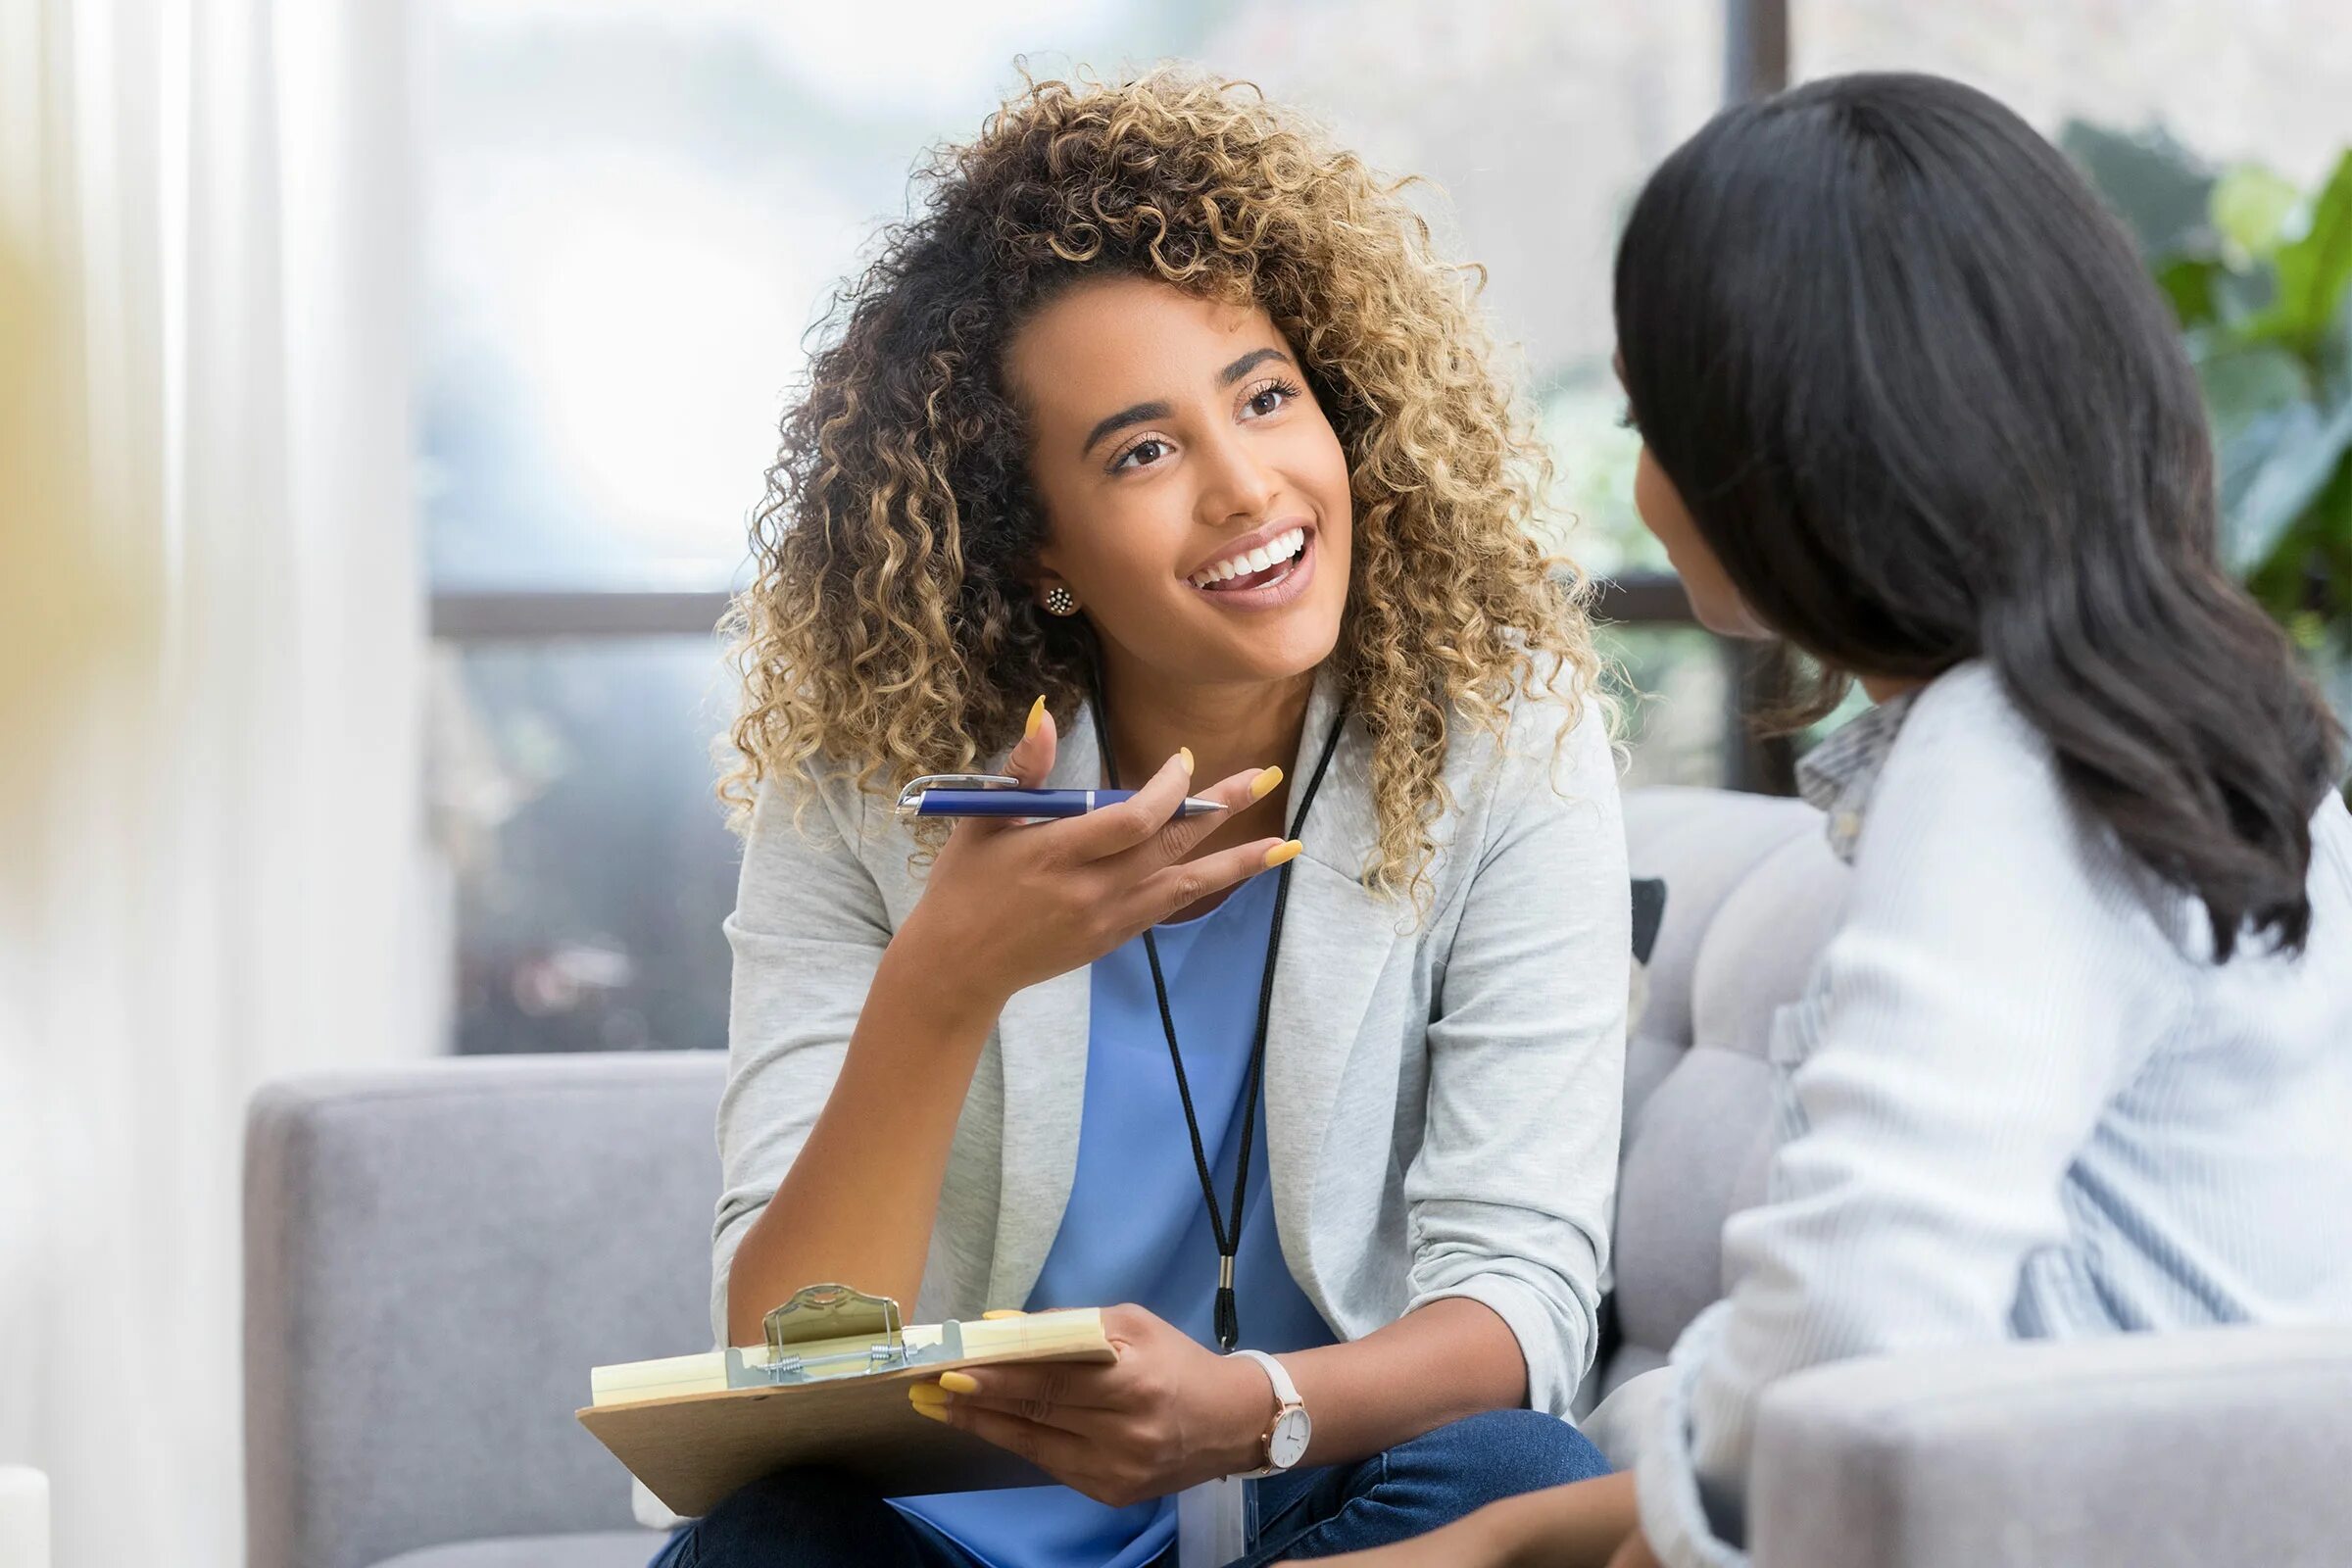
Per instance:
(2016,1099)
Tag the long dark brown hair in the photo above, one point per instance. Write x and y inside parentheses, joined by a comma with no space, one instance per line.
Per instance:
(1923,402)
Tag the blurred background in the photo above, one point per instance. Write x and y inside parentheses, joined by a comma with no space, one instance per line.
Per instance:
(384,386)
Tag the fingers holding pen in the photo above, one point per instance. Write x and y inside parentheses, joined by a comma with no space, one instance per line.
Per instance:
(1010,902)
(1164,893)
(1118,828)
(1176,838)
(1032,756)
(1030,761)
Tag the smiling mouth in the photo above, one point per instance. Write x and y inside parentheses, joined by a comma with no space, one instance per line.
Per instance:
(1262,568)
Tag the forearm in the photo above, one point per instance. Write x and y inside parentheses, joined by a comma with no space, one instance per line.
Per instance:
(860,1201)
(1453,1358)
(1578,1526)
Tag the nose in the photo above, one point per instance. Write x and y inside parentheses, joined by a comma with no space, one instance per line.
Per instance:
(1235,485)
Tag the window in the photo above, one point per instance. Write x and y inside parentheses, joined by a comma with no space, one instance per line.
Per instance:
(2262,83)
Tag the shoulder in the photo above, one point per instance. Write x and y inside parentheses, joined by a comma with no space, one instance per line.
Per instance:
(1554,731)
(1966,755)
(1538,788)
(817,807)
(813,839)
(1971,813)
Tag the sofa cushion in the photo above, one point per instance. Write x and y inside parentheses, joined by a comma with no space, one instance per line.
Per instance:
(1701,1133)
(1703,844)
(612,1549)
(1754,895)
(436,1254)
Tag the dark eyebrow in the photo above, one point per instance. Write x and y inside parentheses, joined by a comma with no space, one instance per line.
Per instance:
(1249,362)
(1138,414)
(1145,412)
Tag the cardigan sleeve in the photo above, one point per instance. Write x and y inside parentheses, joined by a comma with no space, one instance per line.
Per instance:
(1508,1197)
(807,932)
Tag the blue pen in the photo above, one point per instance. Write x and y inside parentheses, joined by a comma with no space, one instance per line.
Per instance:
(996,795)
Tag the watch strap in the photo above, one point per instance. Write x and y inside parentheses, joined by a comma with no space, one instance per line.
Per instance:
(1286,1393)
(1286,1399)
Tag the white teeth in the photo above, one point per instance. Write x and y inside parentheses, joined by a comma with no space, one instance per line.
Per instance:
(1281,549)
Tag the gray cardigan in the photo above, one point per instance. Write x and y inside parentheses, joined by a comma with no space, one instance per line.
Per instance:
(1442,1098)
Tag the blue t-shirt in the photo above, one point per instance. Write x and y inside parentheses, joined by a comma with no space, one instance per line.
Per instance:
(1135,1229)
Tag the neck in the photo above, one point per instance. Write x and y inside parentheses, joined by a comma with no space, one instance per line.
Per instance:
(1887,688)
(1231,728)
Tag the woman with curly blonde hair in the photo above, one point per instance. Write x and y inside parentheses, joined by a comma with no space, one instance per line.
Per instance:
(1158,447)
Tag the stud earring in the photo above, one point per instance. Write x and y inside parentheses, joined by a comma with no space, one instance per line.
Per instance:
(1060,601)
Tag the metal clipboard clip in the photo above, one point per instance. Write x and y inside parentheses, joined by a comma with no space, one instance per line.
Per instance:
(911,796)
(832,1331)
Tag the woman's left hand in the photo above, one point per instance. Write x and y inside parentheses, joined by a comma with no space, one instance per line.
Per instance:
(1470,1542)
(1463,1544)
(1168,1414)
(1555,1528)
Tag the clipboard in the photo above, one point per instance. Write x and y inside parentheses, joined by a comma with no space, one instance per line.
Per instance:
(828,1388)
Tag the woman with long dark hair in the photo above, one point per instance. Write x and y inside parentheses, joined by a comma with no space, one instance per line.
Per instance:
(2079,1059)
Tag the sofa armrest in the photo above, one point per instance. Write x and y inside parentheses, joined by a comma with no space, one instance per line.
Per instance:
(2220,1446)
(436,1255)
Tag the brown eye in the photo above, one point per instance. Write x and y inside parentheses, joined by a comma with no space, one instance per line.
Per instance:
(1142,454)
(1269,398)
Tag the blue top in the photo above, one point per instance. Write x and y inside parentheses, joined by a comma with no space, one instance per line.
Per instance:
(1135,1229)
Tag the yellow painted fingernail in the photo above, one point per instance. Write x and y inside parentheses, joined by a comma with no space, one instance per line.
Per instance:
(1186,751)
(930,1412)
(927,1394)
(1037,716)
(1263,785)
(1002,1312)
(959,1383)
(1279,854)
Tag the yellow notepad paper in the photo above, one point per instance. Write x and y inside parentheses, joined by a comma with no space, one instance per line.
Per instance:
(697,1428)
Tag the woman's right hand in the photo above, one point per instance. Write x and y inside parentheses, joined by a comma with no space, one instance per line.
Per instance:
(1008,905)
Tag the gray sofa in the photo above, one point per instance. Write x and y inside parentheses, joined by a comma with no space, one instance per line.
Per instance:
(436,1254)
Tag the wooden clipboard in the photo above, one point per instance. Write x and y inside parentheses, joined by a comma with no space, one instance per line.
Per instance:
(693,1450)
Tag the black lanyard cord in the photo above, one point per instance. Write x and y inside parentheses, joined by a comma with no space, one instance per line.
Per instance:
(1229,1241)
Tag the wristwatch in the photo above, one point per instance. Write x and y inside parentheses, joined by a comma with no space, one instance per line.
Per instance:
(1287,1438)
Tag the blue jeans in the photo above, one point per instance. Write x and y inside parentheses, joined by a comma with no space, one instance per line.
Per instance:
(812,1519)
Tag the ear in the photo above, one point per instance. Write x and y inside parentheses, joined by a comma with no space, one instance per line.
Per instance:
(1042,579)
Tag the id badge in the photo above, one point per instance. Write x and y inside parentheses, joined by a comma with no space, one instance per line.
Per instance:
(1211,1530)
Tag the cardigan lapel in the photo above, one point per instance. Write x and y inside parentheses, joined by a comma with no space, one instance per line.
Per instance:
(1336,940)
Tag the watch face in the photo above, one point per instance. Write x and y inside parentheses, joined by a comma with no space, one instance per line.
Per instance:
(1288,1445)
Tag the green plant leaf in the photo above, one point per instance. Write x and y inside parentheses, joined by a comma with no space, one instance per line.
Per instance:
(2331,358)
(2243,381)
(2160,190)
(2272,473)
(2239,298)
(2250,206)
(2188,284)
(2314,268)
(2204,292)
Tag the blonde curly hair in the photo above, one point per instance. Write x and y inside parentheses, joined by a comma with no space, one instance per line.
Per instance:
(892,629)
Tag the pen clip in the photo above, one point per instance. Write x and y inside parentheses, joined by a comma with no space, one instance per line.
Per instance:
(911,796)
